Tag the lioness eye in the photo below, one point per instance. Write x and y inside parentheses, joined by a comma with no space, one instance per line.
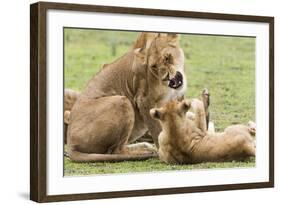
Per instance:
(168,59)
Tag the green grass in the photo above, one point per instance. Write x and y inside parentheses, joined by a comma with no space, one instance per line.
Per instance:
(150,165)
(224,65)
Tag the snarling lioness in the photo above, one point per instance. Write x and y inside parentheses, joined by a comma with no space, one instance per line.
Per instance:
(113,110)
(186,141)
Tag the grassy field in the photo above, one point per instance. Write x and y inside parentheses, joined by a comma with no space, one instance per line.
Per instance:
(224,65)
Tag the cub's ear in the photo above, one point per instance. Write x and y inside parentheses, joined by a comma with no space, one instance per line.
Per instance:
(185,105)
(173,38)
(156,114)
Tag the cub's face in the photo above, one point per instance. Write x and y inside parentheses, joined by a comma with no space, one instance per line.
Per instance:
(166,61)
(171,112)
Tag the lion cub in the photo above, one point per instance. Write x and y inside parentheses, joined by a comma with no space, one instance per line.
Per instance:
(186,141)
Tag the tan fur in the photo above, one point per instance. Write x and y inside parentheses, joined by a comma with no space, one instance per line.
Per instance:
(113,110)
(70,97)
(186,141)
(145,40)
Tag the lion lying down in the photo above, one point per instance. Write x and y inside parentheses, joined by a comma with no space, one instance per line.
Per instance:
(184,140)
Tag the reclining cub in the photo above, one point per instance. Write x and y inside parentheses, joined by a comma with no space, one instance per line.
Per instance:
(186,141)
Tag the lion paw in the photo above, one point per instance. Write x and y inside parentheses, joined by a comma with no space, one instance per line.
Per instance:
(206,97)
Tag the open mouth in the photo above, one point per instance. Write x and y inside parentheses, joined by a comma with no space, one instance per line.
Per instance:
(176,81)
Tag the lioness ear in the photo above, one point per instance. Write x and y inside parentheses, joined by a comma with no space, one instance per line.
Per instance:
(156,114)
(140,53)
(185,105)
(173,38)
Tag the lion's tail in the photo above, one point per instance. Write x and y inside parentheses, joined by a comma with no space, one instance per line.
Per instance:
(77,156)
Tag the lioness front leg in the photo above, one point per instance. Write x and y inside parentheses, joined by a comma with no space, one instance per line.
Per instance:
(154,126)
(154,129)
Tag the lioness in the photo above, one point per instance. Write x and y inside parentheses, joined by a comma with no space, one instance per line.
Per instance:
(186,141)
(113,110)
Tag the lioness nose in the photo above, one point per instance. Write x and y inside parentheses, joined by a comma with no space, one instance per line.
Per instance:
(178,76)
(176,81)
(172,82)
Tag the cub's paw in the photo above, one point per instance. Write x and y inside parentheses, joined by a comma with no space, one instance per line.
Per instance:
(206,97)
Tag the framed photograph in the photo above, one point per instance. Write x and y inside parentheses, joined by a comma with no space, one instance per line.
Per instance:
(135,102)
